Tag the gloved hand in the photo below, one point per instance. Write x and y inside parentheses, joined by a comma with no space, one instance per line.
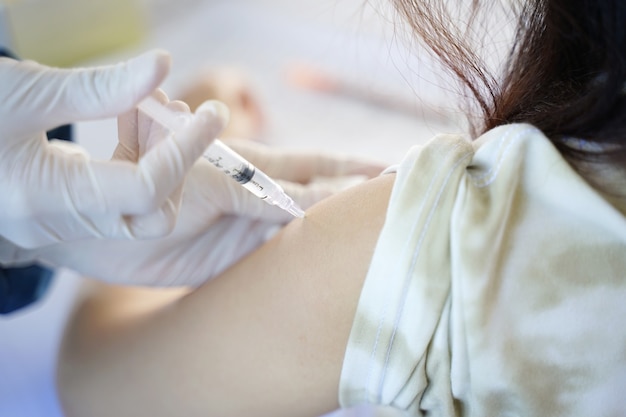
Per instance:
(53,192)
(219,221)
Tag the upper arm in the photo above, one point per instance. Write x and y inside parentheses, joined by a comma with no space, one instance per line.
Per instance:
(267,337)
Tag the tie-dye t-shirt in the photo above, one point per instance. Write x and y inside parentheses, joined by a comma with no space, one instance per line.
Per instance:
(497,288)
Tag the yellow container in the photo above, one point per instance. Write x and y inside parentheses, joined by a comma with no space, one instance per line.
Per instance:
(65,32)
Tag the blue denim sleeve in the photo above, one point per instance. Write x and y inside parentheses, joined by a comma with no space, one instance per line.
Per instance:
(20,287)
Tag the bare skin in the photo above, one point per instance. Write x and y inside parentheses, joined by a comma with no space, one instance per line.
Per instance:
(266,338)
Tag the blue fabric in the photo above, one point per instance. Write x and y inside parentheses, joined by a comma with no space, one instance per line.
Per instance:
(20,287)
(5,52)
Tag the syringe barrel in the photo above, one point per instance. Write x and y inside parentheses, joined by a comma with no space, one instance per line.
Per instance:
(242,171)
(229,162)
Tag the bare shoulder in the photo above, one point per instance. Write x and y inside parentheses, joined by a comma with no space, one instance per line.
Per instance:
(270,332)
(336,238)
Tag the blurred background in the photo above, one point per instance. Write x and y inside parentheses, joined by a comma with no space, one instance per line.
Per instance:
(335,75)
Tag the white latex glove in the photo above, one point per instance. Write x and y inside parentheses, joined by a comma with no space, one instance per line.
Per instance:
(219,221)
(53,192)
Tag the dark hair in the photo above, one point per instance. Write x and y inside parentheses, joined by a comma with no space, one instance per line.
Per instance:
(565,73)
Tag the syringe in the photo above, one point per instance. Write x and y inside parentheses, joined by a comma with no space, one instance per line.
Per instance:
(228,161)
(251,178)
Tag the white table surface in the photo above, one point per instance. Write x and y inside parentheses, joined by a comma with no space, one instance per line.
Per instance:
(262,37)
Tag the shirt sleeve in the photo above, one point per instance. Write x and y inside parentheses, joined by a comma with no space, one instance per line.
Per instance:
(408,284)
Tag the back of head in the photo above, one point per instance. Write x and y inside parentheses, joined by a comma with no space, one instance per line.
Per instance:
(565,73)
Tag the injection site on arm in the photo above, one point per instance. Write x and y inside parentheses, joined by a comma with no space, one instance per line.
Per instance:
(227,160)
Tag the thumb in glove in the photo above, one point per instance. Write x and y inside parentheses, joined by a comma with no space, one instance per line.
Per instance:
(36,97)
